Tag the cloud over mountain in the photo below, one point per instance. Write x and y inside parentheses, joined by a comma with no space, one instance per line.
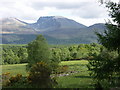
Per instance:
(30,10)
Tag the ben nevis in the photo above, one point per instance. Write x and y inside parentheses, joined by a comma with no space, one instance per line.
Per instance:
(56,29)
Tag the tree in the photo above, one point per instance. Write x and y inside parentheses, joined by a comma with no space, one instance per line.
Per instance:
(65,54)
(22,54)
(73,51)
(111,39)
(56,55)
(40,64)
(10,57)
(38,51)
(106,66)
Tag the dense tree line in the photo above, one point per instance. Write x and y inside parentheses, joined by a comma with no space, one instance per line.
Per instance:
(76,52)
(15,54)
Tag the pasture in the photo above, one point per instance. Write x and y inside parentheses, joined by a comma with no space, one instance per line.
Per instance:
(78,79)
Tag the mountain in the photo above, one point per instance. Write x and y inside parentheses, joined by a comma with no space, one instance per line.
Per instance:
(56,29)
(98,27)
(13,25)
(51,23)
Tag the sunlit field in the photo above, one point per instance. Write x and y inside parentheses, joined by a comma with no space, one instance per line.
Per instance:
(79,78)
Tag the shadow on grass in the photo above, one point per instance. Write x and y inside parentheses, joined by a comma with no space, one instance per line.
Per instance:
(83,77)
(77,65)
(80,87)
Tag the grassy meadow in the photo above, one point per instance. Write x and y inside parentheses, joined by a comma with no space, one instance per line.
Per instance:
(15,69)
(80,79)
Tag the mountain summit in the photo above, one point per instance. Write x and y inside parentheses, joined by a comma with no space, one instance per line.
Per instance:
(50,23)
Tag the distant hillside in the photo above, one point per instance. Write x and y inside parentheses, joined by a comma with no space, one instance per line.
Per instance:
(56,29)
(97,27)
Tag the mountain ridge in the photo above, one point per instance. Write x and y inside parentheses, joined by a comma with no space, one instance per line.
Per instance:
(51,23)
(55,29)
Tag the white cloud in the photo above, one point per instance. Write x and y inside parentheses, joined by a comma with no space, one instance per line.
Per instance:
(84,11)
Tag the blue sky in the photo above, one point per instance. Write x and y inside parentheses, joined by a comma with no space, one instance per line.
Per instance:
(86,12)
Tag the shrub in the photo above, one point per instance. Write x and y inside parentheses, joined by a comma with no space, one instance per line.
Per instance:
(5,79)
(16,78)
(8,80)
(39,76)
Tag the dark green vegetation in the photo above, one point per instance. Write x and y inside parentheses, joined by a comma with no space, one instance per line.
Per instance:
(14,54)
(38,51)
(106,66)
(40,65)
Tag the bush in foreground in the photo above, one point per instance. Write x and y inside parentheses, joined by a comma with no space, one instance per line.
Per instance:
(39,76)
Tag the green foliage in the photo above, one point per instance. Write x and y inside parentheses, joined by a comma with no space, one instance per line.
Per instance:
(22,54)
(55,52)
(65,54)
(110,38)
(73,52)
(40,63)
(38,51)
(106,66)
(14,54)
(102,65)
(114,11)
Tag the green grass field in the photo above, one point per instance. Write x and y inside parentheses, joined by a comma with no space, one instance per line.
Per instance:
(77,80)
(15,69)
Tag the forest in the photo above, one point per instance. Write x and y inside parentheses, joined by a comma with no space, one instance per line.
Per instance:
(17,54)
